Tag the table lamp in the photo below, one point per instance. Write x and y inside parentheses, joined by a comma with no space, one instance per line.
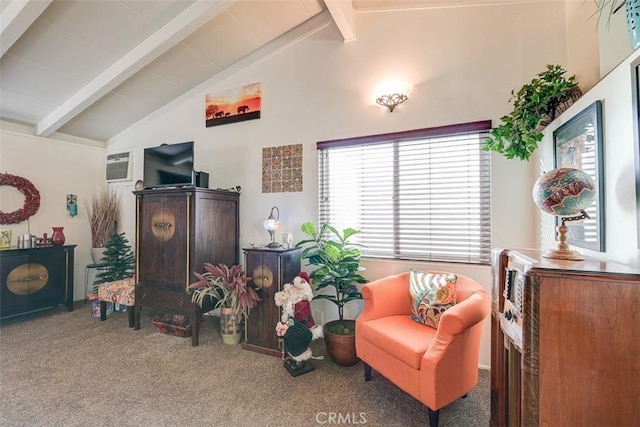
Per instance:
(271,224)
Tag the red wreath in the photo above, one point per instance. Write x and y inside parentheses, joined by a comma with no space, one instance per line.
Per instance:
(31,203)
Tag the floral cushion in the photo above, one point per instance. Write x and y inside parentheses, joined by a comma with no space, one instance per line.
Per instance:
(431,295)
(119,292)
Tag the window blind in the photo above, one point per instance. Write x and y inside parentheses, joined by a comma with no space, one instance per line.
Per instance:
(417,195)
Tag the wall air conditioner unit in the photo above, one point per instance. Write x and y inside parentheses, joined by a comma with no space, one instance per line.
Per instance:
(119,166)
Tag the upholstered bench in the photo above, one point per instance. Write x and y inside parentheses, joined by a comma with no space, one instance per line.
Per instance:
(119,292)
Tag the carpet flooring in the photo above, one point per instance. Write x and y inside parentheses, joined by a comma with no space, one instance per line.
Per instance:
(60,368)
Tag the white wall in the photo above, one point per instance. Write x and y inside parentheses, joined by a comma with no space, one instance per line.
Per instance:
(56,168)
(582,37)
(614,41)
(321,89)
(462,62)
(619,180)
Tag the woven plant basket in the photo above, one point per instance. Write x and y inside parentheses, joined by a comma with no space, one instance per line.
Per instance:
(572,96)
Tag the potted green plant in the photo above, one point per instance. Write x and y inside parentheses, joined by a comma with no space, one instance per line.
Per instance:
(228,289)
(103,212)
(337,265)
(535,105)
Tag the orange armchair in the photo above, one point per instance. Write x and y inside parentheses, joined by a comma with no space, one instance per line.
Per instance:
(435,366)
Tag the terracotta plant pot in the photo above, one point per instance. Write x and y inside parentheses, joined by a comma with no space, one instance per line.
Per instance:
(340,348)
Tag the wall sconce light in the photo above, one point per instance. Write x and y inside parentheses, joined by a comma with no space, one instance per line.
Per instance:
(271,224)
(72,204)
(392,100)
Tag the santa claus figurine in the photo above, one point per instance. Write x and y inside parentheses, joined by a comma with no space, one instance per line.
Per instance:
(296,327)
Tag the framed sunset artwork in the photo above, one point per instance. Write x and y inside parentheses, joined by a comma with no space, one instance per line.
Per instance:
(233,105)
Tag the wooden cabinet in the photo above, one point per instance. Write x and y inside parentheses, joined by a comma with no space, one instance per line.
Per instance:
(270,270)
(565,342)
(177,231)
(35,279)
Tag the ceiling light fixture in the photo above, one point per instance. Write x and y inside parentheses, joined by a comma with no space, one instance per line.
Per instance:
(392,100)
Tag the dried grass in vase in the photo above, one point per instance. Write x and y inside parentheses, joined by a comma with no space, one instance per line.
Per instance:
(103,211)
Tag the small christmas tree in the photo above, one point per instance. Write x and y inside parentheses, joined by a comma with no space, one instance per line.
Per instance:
(118,261)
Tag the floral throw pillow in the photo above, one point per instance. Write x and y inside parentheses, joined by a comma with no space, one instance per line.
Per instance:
(431,295)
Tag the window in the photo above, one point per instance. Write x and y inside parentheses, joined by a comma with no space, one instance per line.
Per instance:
(415,195)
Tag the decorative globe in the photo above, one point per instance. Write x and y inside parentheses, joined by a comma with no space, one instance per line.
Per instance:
(564,191)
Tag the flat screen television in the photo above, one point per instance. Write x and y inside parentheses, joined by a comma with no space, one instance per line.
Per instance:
(169,165)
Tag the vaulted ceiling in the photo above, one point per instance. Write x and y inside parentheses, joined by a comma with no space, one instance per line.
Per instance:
(92,68)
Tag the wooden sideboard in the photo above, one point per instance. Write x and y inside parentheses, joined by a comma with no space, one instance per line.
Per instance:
(35,279)
(565,342)
(177,231)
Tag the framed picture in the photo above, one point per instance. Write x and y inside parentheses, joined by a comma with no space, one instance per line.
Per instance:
(234,105)
(578,144)
(5,238)
(635,85)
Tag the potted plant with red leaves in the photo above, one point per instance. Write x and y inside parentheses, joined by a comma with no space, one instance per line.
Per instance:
(227,287)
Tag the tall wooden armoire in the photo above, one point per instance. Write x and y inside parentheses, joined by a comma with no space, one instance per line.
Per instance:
(177,231)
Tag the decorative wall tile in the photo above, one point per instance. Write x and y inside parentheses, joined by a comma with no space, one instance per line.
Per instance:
(282,169)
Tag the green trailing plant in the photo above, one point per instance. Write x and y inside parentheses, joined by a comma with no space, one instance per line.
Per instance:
(535,105)
(226,287)
(118,261)
(337,262)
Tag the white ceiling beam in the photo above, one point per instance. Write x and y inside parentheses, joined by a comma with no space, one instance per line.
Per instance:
(16,18)
(176,30)
(344,15)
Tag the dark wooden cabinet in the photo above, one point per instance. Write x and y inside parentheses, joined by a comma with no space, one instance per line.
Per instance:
(35,279)
(177,231)
(270,270)
(565,342)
